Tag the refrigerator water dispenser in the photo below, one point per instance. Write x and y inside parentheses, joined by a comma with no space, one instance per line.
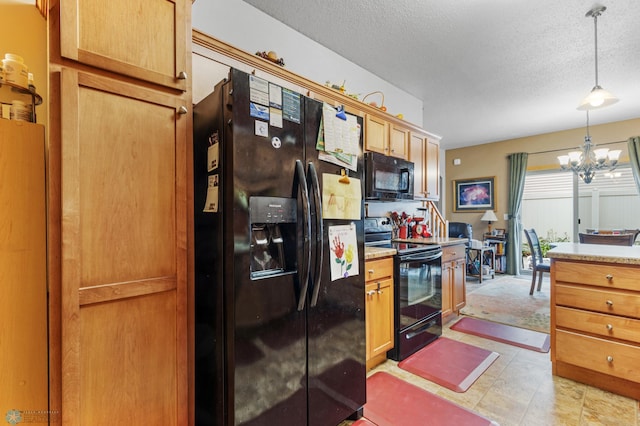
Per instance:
(273,236)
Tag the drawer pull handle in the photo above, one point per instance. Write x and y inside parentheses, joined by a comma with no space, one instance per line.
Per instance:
(371,271)
(609,277)
(609,303)
(609,358)
(609,327)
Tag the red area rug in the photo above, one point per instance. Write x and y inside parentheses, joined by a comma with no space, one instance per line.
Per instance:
(392,402)
(449,363)
(521,337)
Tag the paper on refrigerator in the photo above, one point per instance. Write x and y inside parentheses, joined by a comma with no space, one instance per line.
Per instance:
(343,248)
(341,200)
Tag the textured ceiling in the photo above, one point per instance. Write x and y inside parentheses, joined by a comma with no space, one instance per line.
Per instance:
(486,70)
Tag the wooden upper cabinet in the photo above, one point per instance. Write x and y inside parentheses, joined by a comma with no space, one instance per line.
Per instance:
(417,155)
(398,142)
(385,138)
(432,169)
(424,152)
(145,39)
(376,135)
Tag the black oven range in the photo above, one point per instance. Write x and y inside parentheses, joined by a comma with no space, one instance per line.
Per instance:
(417,288)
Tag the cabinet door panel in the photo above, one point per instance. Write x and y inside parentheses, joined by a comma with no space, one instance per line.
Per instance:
(124,215)
(380,316)
(417,153)
(459,286)
(146,39)
(376,136)
(398,142)
(447,287)
(432,177)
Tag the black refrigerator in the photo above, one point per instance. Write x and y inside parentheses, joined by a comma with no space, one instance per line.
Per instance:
(278,338)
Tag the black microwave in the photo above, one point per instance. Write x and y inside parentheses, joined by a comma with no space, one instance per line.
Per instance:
(387,178)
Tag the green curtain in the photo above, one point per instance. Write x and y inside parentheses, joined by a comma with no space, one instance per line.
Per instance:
(517,174)
(634,159)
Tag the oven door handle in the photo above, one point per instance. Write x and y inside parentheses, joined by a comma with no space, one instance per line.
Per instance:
(421,256)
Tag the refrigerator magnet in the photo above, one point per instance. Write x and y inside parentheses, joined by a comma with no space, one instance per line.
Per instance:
(213,154)
(211,203)
(262,129)
(275,96)
(275,117)
(259,111)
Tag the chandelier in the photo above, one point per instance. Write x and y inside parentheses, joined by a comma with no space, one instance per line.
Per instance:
(585,163)
(598,97)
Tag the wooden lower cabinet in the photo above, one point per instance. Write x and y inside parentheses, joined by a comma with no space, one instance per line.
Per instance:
(595,323)
(378,309)
(23,274)
(454,292)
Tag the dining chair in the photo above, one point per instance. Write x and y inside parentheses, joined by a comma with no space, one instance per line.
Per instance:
(610,239)
(538,264)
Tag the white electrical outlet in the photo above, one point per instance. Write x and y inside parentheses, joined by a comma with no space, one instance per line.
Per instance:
(506,216)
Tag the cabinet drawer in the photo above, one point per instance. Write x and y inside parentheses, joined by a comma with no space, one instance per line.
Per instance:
(455,252)
(600,324)
(378,268)
(612,276)
(612,358)
(599,300)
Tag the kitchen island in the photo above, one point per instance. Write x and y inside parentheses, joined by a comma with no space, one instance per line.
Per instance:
(595,315)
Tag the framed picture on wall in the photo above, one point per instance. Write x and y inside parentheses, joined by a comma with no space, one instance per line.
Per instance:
(474,194)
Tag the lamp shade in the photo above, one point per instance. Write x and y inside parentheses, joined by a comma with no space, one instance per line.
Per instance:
(489,216)
(598,98)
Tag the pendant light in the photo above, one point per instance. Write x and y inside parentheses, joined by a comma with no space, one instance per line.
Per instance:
(585,163)
(598,98)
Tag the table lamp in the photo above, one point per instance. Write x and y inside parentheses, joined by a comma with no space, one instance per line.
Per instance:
(489,216)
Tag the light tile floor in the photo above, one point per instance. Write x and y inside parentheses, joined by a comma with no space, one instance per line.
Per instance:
(519,389)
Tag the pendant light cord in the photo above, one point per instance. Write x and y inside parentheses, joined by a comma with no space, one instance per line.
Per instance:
(595,29)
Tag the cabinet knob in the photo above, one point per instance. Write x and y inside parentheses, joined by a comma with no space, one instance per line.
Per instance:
(371,271)
(182,110)
(182,75)
(609,327)
(609,277)
(609,302)
(609,359)
(371,292)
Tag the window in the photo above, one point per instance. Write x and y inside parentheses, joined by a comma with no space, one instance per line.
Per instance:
(608,202)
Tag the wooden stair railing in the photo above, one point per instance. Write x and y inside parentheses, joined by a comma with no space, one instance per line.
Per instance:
(439,225)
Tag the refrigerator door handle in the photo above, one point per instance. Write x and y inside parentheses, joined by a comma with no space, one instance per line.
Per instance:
(306,224)
(315,184)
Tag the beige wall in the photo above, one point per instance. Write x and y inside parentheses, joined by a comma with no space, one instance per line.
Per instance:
(491,160)
(23,31)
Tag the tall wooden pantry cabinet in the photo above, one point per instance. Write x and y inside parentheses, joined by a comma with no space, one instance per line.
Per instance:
(119,184)
(23,273)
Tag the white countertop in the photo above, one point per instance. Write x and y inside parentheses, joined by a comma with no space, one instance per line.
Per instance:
(596,253)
